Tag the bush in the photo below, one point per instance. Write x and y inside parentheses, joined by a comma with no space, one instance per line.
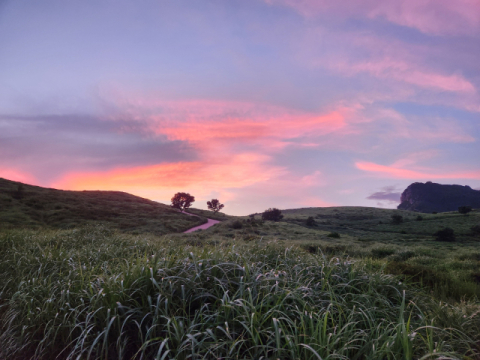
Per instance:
(237,224)
(334,235)
(464,209)
(311,221)
(419,218)
(446,234)
(397,219)
(272,214)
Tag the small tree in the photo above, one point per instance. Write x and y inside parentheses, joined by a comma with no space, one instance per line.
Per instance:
(446,234)
(311,221)
(464,209)
(272,214)
(215,205)
(397,219)
(182,200)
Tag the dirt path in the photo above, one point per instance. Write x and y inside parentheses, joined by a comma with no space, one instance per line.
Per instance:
(208,224)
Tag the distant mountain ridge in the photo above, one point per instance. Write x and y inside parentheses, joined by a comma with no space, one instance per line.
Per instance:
(429,197)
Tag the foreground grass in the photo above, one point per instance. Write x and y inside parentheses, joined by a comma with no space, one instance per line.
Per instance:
(450,270)
(96,294)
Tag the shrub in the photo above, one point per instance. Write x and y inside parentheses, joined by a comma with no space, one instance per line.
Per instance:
(397,219)
(464,209)
(419,218)
(334,235)
(272,214)
(446,234)
(237,224)
(311,221)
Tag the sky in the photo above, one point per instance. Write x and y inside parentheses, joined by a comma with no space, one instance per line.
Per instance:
(259,103)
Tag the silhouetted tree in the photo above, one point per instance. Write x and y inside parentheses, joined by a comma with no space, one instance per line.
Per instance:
(182,200)
(272,214)
(464,209)
(446,234)
(215,205)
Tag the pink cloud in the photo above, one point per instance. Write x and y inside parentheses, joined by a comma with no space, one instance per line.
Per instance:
(435,17)
(402,173)
(405,72)
(209,124)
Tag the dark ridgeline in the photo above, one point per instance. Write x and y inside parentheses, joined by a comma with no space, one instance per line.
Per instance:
(432,197)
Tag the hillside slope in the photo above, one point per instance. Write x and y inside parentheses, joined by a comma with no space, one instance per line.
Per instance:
(35,207)
(376,224)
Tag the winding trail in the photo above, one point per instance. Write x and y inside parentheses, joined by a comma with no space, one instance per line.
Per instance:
(208,224)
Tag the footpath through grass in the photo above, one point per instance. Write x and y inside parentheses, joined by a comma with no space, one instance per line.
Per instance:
(97,294)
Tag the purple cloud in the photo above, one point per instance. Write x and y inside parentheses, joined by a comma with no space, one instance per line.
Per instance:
(389,193)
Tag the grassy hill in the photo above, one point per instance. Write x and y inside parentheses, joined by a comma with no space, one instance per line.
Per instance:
(352,284)
(35,207)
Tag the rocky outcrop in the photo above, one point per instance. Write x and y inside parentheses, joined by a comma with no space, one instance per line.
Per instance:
(430,197)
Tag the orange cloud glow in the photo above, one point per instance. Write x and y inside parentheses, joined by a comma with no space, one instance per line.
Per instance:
(159,181)
(16,175)
(400,173)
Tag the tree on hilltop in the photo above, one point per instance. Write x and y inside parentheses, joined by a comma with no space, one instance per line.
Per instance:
(272,214)
(182,200)
(215,205)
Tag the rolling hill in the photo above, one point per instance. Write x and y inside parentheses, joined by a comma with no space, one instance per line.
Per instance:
(23,205)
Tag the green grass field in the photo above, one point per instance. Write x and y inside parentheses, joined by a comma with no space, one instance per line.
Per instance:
(107,275)
(98,294)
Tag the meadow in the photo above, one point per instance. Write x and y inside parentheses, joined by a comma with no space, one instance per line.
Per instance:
(97,293)
(108,275)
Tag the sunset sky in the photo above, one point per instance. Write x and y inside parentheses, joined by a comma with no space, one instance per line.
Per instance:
(259,103)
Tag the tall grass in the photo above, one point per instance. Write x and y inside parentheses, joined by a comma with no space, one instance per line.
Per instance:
(94,294)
